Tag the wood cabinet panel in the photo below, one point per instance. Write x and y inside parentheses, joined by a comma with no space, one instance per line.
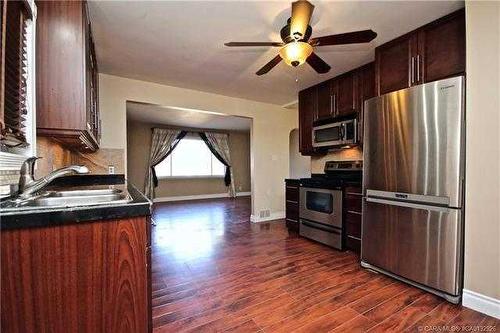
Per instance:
(88,277)
(365,82)
(292,204)
(432,52)
(67,97)
(353,224)
(307,109)
(352,217)
(392,63)
(442,46)
(345,95)
(353,203)
(292,193)
(353,244)
(325,101)
(53,50)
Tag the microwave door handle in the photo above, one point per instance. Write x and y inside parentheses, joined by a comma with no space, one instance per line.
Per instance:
(342,132)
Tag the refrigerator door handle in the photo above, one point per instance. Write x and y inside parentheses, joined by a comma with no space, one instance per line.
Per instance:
(409,197)
(408,205)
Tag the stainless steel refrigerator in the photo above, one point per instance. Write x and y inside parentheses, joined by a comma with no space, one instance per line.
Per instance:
(413,185)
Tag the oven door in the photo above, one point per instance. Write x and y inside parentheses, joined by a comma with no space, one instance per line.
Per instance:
(321,205)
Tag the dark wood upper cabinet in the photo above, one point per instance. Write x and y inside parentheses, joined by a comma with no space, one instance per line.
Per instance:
(432,52)
(345,95)
(442,46)
(67,79)
(341,96)
(393,64)
(308,99)
(325,108)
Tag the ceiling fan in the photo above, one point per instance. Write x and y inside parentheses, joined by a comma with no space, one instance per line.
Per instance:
(297,46)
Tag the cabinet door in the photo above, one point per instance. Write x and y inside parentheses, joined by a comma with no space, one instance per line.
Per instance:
(442,48)
(325,101)
(307,110)
(88,70)
(344,102)
(393,63)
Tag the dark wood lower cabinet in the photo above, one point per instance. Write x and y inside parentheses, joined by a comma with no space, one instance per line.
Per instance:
(292,204)
(82,277)
(352,217)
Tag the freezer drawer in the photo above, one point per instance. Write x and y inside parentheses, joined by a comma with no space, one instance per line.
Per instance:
(418,242)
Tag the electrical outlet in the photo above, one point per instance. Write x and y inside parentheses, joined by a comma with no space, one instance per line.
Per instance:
(111,169)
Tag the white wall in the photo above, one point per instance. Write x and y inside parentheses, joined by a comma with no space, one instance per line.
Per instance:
(300,166)
(482,202)
(269,136)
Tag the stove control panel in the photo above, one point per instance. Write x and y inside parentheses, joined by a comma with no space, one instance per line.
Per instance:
(343,166)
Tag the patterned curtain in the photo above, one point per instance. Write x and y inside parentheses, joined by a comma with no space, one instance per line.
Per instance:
(163,142)
(218,143)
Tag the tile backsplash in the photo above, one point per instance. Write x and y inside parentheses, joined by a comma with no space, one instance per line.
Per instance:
(351,154)
(55,156)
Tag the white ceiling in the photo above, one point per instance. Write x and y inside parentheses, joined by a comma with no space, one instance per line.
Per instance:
(182,117)
(180,43)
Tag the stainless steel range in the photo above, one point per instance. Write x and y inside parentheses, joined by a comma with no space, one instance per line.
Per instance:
(320,213)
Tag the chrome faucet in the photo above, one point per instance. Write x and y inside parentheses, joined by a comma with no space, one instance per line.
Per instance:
(27,183)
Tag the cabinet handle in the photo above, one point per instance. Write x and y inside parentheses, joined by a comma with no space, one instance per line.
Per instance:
(334,111)
(332,97)
(418,67)
(412,72)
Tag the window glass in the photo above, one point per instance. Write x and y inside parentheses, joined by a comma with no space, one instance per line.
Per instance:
(191,157)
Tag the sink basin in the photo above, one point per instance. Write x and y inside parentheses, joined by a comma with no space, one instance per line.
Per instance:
(78,199)
(84,193)
(70,198)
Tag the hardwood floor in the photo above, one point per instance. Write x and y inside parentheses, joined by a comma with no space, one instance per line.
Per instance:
(214,271)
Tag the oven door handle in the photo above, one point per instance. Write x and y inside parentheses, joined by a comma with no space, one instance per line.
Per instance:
(315,226)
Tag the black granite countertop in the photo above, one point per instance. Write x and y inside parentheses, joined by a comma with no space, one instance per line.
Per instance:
(30,217)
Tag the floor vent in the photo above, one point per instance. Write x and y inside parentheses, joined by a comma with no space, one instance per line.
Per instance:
(265,213)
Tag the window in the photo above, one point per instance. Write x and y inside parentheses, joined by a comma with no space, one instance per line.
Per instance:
(191,158)
(17,128)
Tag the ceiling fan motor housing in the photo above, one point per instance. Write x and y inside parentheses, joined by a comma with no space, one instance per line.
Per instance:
(287,36)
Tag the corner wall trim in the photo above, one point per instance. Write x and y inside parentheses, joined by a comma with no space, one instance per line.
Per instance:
(482,303)
(273,216)
(199,197)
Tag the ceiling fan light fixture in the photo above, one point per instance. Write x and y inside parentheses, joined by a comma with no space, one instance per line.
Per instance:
(296,53)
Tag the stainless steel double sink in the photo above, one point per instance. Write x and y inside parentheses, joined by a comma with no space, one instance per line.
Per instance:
(80,198)
(70,198)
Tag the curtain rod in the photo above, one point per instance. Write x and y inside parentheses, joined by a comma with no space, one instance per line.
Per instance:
(191,131)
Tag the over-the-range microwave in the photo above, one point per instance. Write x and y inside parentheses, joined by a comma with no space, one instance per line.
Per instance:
(338,134)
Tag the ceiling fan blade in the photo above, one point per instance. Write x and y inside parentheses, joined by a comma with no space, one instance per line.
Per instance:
(267,67)
(301,15)
(363,36)
(233,44)
(318,64)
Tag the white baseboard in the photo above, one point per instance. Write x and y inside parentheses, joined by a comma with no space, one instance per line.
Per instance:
(199,197)
(271,217)
(482,303)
